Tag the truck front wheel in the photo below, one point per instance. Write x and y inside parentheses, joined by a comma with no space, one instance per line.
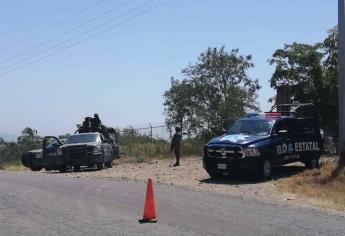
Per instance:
(109,164)
(36,168)
(63,169)
(214,175)
(265,169)
(100,165)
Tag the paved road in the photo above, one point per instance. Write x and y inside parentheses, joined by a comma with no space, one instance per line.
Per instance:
(35,204)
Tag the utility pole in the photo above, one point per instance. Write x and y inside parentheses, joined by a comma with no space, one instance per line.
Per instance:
(341,79)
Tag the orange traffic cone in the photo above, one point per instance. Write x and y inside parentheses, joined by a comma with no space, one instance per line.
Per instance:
(150,206)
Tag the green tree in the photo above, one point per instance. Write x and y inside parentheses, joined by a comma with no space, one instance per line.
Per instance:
(215,88)
(29,139)
(177,103)
(311,71)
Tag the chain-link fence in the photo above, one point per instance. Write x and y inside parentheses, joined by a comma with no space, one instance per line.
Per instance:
(153,140)
(143,142)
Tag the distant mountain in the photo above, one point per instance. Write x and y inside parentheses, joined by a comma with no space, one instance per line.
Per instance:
(8,137)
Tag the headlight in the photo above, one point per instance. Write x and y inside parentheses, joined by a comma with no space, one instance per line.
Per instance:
(97,149)
(59,152)
(251,152)
(38,155)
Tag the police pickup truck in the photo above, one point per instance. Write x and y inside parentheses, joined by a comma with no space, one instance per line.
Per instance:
(259,143)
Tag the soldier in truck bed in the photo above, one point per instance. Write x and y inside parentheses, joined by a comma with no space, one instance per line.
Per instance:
(176,145)
(95,123)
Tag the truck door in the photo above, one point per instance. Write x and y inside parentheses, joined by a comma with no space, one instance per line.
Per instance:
(49,151)
(306,141)
(283,143)
(106,148)
(50,146)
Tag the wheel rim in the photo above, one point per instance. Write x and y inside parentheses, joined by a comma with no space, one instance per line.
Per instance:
(267,168)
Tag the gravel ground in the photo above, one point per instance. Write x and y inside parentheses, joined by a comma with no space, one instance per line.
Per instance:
(191,175)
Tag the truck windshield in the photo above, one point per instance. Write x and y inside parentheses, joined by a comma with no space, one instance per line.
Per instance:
(255,127)
(82,138)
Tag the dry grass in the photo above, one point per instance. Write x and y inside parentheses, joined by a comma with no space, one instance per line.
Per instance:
(318,186)
(13,167)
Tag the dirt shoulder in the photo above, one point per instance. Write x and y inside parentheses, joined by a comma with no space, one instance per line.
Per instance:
(189,175)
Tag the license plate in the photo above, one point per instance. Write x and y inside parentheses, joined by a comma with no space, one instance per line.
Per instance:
(38,155)
(222,166)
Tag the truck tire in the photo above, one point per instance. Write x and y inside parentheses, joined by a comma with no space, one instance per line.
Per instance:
(265,170)
(214,175)
(62,169)
(313,163)
(36,168)
(76,168)
(109,164)
(100,165)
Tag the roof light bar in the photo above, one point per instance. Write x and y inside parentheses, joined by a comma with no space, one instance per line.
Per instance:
(273,114)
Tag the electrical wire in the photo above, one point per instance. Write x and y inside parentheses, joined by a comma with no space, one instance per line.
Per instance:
(78,35)
(52,26)
(88,38)
(66,32)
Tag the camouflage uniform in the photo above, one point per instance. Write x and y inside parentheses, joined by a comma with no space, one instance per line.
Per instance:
(176,145)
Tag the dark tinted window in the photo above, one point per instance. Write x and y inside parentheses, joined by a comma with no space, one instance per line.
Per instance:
(301,126)
(82,138)
(280,125)
(257,127)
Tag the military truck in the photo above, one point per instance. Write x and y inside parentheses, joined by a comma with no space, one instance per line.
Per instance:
(93,144)
(86,149)
(46,157)
(94,125)
(258,143)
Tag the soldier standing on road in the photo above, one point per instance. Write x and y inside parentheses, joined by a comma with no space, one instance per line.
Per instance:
(176,145)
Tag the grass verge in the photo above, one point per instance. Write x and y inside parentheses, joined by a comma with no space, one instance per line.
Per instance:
(12,166)
(318,186)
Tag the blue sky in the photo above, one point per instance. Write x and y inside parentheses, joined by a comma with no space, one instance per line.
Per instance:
(123,73)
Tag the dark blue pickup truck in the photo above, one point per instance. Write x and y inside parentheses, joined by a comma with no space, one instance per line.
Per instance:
(258,143)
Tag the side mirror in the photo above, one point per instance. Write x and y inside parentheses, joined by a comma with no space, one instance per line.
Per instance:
(105,140)
(282,132)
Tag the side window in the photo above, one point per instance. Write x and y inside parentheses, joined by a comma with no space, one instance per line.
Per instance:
(308,126)
(293,127)
(280,125)
(100,138)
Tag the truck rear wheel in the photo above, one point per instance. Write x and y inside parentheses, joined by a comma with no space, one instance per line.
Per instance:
(313,163)
(76,168)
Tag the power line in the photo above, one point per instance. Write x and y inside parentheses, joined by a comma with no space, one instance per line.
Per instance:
(90,37)
(77,36)
(67,32)
(52,26)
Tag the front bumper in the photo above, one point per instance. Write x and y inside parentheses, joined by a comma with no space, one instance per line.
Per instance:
(227,165)
(86,160)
